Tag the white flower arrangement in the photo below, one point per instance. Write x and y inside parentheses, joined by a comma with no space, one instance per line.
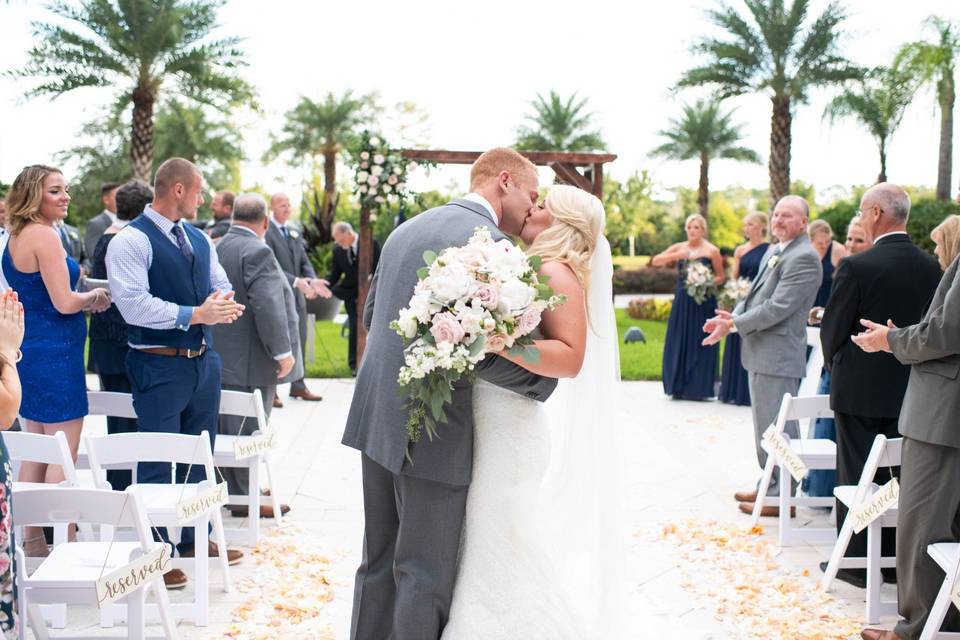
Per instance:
(734,290)
(699,281)
(480,298)
(381,173)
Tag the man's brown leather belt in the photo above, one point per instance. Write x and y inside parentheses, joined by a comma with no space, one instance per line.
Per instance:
(171,351)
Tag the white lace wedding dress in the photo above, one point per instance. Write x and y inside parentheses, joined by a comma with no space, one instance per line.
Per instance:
(507,586)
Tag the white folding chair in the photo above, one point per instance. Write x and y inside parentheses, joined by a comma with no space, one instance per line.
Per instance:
(70,573)
(160,502)
(811,377)
(883,453)
(250,407)
(818,453)
(947,555)
(112,405)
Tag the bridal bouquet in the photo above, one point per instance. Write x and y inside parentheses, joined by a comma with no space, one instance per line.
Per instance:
(472,300)
(734,290)
(700,282)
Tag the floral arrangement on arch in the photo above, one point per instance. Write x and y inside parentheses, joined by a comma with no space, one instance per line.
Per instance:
(380,176)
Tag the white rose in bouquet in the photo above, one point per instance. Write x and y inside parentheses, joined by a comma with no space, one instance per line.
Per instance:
(376,170)
(362,176)
(364,155)
(515,295)
(392,179)
(373,181)
(408,324)
(374,141)
(450,283)
(378,159)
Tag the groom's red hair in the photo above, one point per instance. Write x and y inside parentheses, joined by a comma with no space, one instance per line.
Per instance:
(490,163)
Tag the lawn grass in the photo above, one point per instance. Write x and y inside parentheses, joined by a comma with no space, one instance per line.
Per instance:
(638,361)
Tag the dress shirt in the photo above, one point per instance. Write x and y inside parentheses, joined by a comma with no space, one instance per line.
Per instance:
(479,199)
(129,257)
(887,234)
(112,216)
(285,354)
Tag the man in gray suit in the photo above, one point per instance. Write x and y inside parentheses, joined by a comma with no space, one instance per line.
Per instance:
(288,247)
(414,510)
(258,350)
(221,207)
(96,225)
(772,322)
(930,464)
(72,243)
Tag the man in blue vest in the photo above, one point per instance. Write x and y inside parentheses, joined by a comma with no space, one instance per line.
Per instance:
(170,288)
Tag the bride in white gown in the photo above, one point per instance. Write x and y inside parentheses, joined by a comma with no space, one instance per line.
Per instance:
(543,546)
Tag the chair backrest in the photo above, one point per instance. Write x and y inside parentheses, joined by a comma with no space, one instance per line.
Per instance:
(36,447)
(119,448)
(884,453)
(811,378)
(83,506)
(110,403)
(246,405)
(801,408)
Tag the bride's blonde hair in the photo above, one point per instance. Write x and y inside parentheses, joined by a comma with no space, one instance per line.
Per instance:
(578,220)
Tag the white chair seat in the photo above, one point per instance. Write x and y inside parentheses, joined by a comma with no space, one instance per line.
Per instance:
(73,561)
(846,494)
(160,500)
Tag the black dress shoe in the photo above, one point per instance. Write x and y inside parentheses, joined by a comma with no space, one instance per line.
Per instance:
(855,577)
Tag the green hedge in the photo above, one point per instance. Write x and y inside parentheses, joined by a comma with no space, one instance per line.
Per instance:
(925,214)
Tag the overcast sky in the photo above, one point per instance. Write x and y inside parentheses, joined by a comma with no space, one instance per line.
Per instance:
(474,67)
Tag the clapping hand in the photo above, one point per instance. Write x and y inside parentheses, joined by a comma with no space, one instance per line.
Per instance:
(11,326)
(718,327)
(304,286)
(99,300)
(320,288)
(218,308)
(874,339)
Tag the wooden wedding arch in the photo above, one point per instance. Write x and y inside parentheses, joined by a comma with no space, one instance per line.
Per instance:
(584,170)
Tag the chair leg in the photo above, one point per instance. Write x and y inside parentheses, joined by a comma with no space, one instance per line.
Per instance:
(274,494)
(163,605)
(220,537)
(874,577)
(36,622)
(840,548)
(939,610)
(762,491)
(136,626)
(253,512)
(202,564)
(785,534)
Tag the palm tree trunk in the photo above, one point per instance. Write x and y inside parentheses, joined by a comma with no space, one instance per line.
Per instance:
(141,135)
(947,98)
(703,193)
(779,165)
(329,188)
(883,162)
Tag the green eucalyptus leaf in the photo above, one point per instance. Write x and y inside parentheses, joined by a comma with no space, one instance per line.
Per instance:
(429,257)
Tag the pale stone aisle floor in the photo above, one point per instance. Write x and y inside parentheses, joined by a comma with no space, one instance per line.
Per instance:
(685,459)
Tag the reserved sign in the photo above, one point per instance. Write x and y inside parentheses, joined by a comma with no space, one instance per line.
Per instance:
(190,508)
(878,504)
(130,577)
(783,452)
(249,446)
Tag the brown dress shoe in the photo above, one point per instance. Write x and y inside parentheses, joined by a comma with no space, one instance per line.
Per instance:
(745,496)
(878,634)
(175,579)
(277,402)
(767,511)
(233,555)
(266,510)
(305,394)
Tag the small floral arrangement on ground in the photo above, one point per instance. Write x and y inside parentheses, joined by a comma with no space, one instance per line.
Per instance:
(733,291)
(700,282)
(649,309)
(480,298)
(380,177)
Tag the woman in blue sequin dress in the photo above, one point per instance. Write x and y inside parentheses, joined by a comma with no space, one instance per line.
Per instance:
(36,266)
(734,388)
(689,367)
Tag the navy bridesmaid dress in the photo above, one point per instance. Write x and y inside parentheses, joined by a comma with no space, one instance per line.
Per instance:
(734,388)
(689,368)
(51,372)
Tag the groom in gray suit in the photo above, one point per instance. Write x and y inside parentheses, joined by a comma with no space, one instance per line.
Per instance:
(772,322)
(930,462)
(414,510)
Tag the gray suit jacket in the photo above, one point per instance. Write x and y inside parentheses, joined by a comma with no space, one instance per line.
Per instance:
(772,319)
(377,420)
(291,253)
(92,233)
(268,326)
(73,244)
(931,408)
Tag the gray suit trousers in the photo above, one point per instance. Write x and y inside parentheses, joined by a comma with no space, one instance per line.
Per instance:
(766,395)
(411,541)
(929,513)
(238,480)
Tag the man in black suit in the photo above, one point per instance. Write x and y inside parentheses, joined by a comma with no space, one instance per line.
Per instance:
(894,280)
(344,279)
(222,208)
(291,253)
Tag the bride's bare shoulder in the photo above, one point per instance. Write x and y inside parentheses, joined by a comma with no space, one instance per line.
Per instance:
(562,278)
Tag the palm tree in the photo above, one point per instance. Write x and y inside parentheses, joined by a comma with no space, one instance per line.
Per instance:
(935,63)
(323,128)
(144,47)
(879,104)
(771,51)
(704,132)
(559,126)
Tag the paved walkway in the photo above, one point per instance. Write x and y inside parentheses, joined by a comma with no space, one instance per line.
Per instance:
(685,461)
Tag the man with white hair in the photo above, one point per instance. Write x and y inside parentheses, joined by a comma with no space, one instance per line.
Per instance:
(772,322)
(894,280)
(344,279)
